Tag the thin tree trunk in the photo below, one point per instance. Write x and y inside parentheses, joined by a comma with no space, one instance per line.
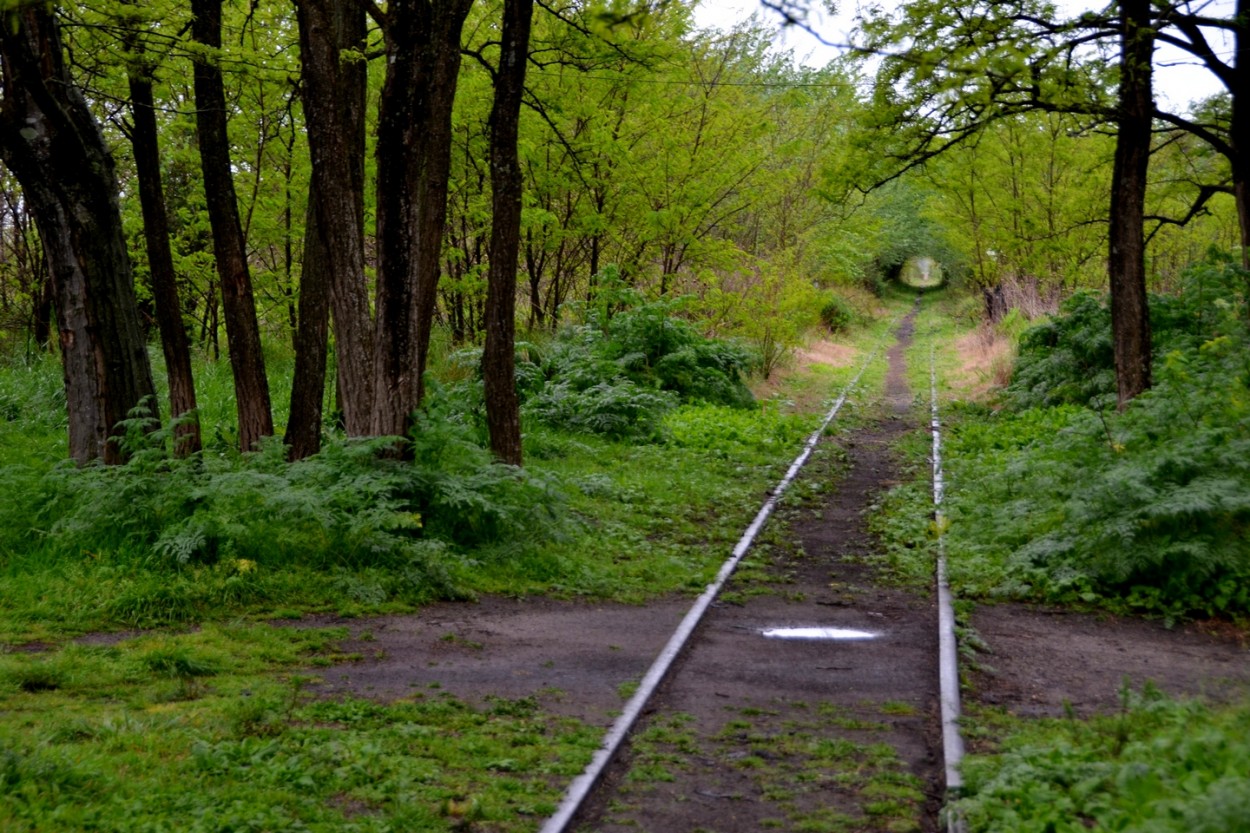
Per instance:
(1126,264)
(42,325)
(251,388)
(503,415)
(1239,128)
(53,145)
(334,105)
(413,160)
(174,341)
(303,429)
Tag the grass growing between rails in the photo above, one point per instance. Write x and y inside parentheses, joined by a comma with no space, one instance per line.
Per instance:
(214,731)
(1160,765)
(830,771)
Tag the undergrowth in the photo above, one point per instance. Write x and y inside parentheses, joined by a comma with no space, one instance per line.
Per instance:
(214,731)
(1068,501)
(618,373)
(1158,765)
(1146,508)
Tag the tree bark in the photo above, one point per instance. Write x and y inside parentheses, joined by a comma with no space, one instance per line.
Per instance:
(503,414)
(414,142)
(251,388)
(1239,127)
(1126,262)
(303,429)
(174,341)
(54,147)
(334,107)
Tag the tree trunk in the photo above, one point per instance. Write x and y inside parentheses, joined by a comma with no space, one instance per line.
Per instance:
(174,341)
(251,388)
(503,415)
(303,429)
(1239,128)
(334,107)
(53,145)
(1126,263)
(413,161)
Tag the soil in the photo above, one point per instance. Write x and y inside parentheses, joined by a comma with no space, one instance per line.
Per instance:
(738,736)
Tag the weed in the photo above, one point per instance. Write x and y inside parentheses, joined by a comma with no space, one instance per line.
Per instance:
(1159,764)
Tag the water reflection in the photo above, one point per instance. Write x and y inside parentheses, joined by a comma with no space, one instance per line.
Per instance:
(818,633)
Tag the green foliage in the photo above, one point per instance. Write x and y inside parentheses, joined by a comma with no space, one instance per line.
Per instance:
(217,527)
(1146,508)
(837,314)
(1159,765)
(1070,358)
(618,374)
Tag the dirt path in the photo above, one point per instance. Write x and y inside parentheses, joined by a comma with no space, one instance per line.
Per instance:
(754,733)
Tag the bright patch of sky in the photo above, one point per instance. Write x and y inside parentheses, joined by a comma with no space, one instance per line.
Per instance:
(1179,79)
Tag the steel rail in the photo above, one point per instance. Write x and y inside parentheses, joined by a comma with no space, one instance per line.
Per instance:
(582,786)
(948,648)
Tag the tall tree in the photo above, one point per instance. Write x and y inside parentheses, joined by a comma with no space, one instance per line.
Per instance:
(414,139)
(332,34)
(251,388)
(1185,25)
(503,415)
(1126,261)
(54,146)
(308,383)
(174,341)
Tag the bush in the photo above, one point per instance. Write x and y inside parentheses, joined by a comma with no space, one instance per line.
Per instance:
(836,314)
(1070,359)
(347,507)
(618,375)
(1146,508)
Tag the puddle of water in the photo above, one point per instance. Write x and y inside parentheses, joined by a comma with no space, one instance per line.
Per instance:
(818,633)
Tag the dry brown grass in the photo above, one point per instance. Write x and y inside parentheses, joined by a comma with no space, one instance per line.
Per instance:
(825,352)
(985,361)
(802,362)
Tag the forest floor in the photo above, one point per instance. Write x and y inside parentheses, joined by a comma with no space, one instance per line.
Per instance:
(754,733)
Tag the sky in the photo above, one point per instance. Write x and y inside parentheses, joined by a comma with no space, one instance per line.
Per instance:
(1177,81)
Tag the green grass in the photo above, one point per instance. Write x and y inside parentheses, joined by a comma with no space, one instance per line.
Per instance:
(1159,765)
(215,730)
(810,777)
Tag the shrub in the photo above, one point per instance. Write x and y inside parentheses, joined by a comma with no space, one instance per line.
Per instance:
(836,314)
(1146,508)
(617,376)
(347,507)
(1070,358)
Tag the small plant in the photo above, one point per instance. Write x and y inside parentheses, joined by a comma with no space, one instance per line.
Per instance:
(1159,764)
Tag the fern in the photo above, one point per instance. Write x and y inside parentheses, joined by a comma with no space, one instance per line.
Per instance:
(1148,508)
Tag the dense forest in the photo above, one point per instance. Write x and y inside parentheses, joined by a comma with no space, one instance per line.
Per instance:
(282,179)
(342,307)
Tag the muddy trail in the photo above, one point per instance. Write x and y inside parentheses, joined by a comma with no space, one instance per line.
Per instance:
(756,732)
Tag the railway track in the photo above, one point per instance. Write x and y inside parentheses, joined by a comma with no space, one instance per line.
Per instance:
(735,684)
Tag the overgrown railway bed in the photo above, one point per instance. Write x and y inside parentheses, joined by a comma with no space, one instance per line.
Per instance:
(806,696)
(749,732)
